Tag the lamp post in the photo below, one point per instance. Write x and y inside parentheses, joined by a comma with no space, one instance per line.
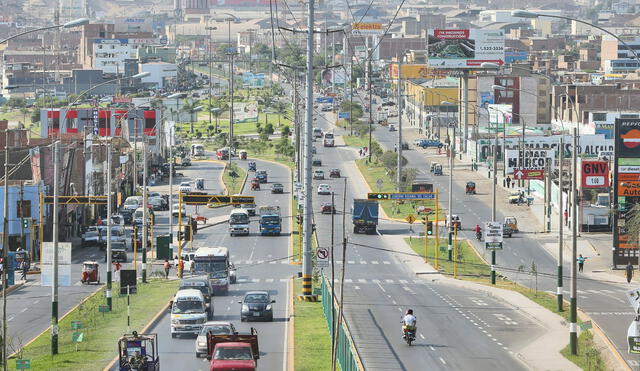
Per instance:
(70,24)
(452,149)
(210,29)
(177,97)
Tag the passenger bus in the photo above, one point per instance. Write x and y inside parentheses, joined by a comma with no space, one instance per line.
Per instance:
(214,262)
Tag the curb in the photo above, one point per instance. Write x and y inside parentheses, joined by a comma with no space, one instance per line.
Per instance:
(150,324)
(592,248)
(290,329)
(14,288)
(601,334)
(224,186)
(61,318)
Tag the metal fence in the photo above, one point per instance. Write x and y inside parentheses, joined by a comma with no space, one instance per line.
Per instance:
(346,352)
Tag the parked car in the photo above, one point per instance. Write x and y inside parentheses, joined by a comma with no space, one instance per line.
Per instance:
(335,173)
(316,162)
(324,189)
(318,174)
(175,211)
(185,187)
(256,305)
(327,208)
(277,188)
(428,143)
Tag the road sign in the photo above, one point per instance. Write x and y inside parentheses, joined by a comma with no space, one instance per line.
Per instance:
(76,200)
(322,257)
(595,174)
(103,308)
(76,325)
(23,364)
(401,196)
(344,115)
(493,235)
(77,337)
(410,218)
(203,199)
(525,174)
(634,298)
(633,338)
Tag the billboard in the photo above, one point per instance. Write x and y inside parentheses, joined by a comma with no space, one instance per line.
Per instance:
(367,28)
(500,113)
(245,112)
(253,80)
(626,188)
(595,174)
(464,48)
(533,159)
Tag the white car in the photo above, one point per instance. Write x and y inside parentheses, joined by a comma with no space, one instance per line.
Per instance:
(185,187)
(213,327)
(174,210)
(324,189)
(318,174)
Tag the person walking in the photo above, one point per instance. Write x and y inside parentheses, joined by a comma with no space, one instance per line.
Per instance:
(167,267)
(581,259)
(24,267)
(508,181)
(566,217)
(629,270)
(360,152)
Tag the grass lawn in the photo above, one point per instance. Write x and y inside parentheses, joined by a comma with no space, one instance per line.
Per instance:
(271,154)
(355,141)
(374,171)
(311,335)
(233,184)
(471,264)
(101,330)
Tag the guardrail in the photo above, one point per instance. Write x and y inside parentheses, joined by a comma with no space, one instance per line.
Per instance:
(346,352)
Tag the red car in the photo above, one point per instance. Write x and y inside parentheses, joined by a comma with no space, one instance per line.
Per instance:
(327,208)
(335,173)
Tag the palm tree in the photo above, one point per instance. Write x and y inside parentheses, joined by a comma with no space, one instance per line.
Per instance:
(280,109)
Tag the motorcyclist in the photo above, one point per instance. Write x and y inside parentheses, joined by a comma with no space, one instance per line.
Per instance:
(477,229)
(409,322)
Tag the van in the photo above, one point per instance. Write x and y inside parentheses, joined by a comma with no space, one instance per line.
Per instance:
(239,222)
(138,216)
(202,284)
(188,312)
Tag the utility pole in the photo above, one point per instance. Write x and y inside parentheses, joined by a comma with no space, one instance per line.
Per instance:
(452,150)
(573,327)
(5,247)
(465,106)
(54,281)
(296,124)
(560,226)
(307,266)
(231,53)
(109,201)
(399,145)
(493,199)
(145,211)
(351,97)
(171,182)
(370,100)
(210,73)
(23,243)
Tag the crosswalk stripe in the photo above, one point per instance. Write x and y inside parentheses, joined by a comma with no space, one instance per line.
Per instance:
(283,280)
(261,261)
(374,262)
(388,281)
(363,262)
(338,261)
(608,291)
(272,262)
(386,262)
(255,280)
(348,280)
(356,287)
(350,262)
(403,281)
(284,262)
(578,291)
(375,281)
(269,280)
(362,280)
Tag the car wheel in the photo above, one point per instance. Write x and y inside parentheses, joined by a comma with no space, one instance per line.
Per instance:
(270,318)
(173,336)
(197,355)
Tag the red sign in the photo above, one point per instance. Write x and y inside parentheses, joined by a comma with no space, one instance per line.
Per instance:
(528,174)
(451,34)
(595,174)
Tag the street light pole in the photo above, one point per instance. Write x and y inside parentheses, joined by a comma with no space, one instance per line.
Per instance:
(573,327)
(145,210)
(560,226)
(399,149)
(5,247)
(370,102)
(109,257)
(54,281)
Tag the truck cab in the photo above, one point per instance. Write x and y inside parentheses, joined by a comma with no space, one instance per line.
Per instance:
(233,352)
(364,214)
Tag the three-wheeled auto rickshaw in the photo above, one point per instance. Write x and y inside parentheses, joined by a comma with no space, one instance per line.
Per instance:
(252,166)
(138,352)
(471,188)
(200,183)
(512,222)
(243,154)
(255,184)
(90,273)
(437,169)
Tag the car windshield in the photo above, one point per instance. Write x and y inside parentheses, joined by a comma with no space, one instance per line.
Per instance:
(256,298)
(277,185)
(117,232)
(187,306)
(271,219)
(240,354)
(248,206)
(238,219)
(203,289)
(132,201)
(216,330)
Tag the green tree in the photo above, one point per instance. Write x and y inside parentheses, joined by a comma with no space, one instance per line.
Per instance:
(280,109)
(286,131)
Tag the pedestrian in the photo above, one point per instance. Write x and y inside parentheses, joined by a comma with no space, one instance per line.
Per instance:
(629,270)
(508,181)
(180,267)
(117,266)
(395,148)
(581,259)
(24,267)
(566,217)
(166,266)
(360,152)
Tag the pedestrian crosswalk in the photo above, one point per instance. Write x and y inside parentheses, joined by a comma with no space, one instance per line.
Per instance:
(338,262)
(372,281)
(585,293)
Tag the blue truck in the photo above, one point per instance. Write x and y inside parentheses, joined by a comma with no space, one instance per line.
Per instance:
(270,220)
(364,214)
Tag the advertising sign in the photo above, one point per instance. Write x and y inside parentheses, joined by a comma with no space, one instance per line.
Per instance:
(589,145)
(533,159)
(633,337)
(253,80)
(626,188)
(464,48)
(500,113)
(528,174)
(493,235)
(245,112)
(64,263)
(367,28)
(595,174)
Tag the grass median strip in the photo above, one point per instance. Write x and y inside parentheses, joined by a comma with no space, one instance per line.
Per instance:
(473,268)
(233,183)
(100,330)
(311,335)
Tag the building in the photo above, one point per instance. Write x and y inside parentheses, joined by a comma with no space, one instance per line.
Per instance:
(161,74)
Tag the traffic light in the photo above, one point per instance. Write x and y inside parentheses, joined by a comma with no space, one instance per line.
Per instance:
(299,218)
(378,196)
(25,223)
(429,228)
(186,234)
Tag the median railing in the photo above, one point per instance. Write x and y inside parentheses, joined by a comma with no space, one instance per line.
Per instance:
(346,351)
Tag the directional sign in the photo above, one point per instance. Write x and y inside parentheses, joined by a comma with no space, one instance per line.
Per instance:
(401,196)
(633,338)
(77,200)
(634,298)
(410,219)
(77,337)
(23,364)
(322,257)
(493,235)
(344,115)
(525,174)
(203,199)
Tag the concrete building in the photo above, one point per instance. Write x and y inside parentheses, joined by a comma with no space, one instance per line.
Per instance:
(161,74)
(109,55)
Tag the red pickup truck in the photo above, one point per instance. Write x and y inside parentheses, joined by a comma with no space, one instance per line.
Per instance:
(237,352)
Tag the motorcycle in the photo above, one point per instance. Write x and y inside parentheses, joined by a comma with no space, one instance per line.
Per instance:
(409,336)
(479,235)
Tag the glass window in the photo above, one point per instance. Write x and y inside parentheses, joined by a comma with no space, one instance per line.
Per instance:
(599,116)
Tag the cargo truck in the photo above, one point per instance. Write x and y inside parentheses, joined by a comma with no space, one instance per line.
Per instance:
(233,352)
(364,214)
(270,220)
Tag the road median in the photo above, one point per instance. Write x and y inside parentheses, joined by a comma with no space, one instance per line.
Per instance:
(312,342)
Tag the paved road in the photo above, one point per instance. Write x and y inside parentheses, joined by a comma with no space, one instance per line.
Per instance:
(457,329)
(604,301)
(262,264)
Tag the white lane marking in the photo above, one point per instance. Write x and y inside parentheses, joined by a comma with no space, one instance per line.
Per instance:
(421,336)
(356,287)
(394,302)
(271,262)
(381,288)
(348,280)
(350,262)
(36,301)
(442,360)
(284,262)
(362,280)
(376,281)
(23,310)
(363,262)
(374,262)
(228,309)
(386,262)
(432,348)
(249,262)
(268,280)
(400,309)
(241,280)
(10,319)
(283,280)
(388,281)
(255,280)
(403,281)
